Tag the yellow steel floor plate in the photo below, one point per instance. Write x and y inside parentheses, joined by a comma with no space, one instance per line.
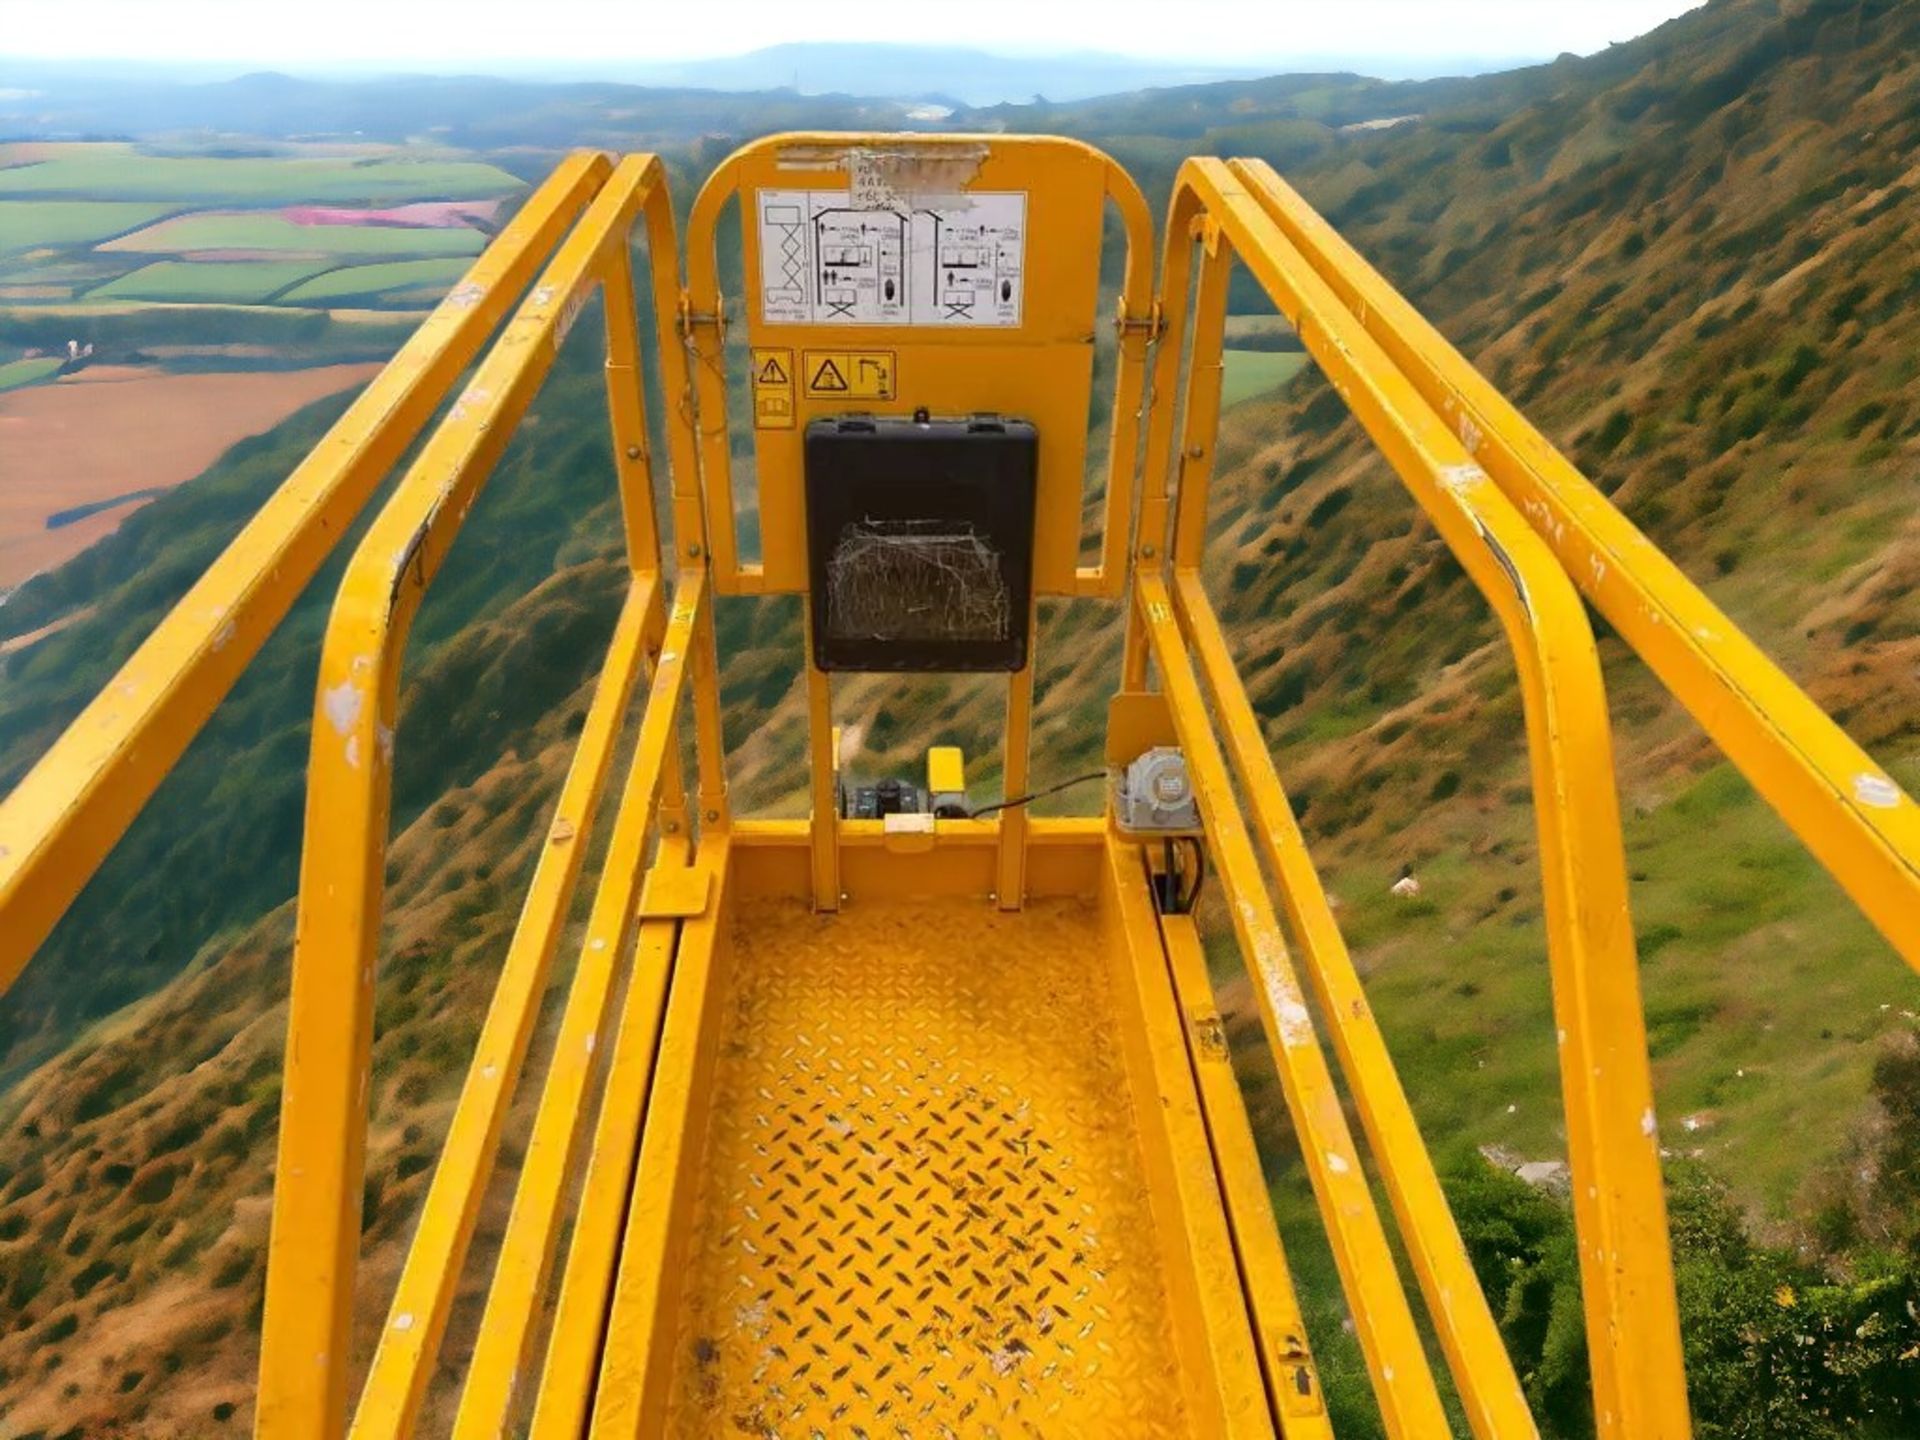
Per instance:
(923,1212)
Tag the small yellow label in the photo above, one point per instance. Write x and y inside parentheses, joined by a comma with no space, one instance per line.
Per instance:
(773,389)
(849,374)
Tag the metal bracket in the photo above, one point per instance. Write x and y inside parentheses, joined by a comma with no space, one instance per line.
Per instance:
(676,892)
(690,318)
(1148,327)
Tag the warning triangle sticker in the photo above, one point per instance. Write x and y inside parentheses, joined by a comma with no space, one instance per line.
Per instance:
(772,373)
(828,379)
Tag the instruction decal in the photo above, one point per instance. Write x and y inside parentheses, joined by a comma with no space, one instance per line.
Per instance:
(772,389)
(831,257)
(848,374)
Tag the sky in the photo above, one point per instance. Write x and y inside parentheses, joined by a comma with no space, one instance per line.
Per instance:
(455,34)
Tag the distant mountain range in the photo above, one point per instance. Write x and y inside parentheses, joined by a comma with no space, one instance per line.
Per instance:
(980,77)
(932,74)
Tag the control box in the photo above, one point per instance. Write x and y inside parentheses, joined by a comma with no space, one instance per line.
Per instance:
(920,541)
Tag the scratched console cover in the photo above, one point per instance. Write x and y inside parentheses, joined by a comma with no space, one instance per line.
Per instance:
(923,1210)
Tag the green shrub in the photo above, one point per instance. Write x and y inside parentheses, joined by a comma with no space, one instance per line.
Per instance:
(91,1276)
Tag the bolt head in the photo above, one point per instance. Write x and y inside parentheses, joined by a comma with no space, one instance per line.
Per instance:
(633,452)
(693,552)
(713,817)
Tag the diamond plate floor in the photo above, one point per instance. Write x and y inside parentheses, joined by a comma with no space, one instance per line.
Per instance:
(923,1212)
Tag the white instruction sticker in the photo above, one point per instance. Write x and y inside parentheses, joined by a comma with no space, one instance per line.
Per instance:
(957,261)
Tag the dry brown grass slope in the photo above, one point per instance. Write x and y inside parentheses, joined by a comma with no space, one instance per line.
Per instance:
(139,1165)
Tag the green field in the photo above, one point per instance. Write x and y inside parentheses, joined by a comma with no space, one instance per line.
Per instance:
(32,224)
(267,231)
(15,374)
(240,281)
(360,280)
(121,173)
(1258,372)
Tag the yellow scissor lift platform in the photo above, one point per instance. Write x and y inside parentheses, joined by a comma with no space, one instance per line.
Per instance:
(917,1194)
(923,1124)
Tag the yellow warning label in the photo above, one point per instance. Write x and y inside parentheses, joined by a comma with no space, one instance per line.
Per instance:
(773,389)
(849,374)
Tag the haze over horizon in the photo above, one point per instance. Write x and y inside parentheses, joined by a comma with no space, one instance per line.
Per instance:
(581,38)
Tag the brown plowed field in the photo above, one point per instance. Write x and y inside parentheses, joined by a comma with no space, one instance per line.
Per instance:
(114,430)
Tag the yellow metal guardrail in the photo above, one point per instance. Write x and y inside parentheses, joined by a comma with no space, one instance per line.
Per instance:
(61,821)
(313,1252)
(1634,1338)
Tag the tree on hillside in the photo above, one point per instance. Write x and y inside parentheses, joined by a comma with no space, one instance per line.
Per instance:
(1778,1347)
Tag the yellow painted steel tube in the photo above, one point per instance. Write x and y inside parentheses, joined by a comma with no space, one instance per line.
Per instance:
(1293,1383)
(1613,1139)
(703,319)
(1207,1308)
(1842,805)
(626,401)
(823,778)
(689,520)
(1200,421)
(68,812)
(1016,758)
(313,1250)
(634,1362)
(1136,325)
(1153,538)
(1478,1357)
(526,1251)
(1382,1318)
(593,1249)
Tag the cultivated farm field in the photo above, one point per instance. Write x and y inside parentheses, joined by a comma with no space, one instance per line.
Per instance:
(237,281)
(90,229)
(17,374)
(157,306)
(391,278)
(64,446)
(126,172)
(219,230)
(52,223)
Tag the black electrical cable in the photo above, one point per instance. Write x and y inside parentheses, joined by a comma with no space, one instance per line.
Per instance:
(1032,796)
(1199,874)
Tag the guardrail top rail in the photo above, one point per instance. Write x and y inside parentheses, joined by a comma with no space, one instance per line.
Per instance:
(61,821)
